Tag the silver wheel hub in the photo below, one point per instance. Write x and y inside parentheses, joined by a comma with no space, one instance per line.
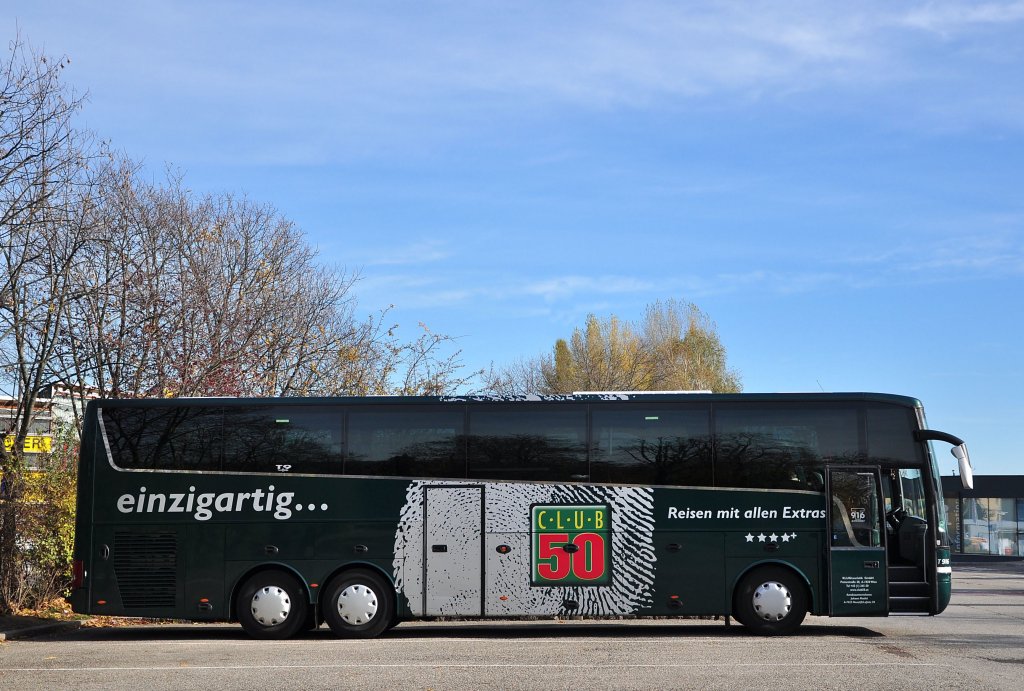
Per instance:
(357,604)
(271,605)
(772,601)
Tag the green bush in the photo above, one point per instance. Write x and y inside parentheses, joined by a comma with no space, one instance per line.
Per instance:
(44,516)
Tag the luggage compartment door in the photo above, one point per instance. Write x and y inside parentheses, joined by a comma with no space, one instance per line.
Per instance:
(453,551)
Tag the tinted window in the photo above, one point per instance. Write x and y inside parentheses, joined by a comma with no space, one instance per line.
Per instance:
(296,439)
(782,447)
(528,444)
(171,438)
(412,443)
(891,436)
(651,446)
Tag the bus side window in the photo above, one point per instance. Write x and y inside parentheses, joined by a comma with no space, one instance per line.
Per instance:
(912,491)
(651,446)
(781,447)
(165,437)
(528,444)
(284,439)
(407,443)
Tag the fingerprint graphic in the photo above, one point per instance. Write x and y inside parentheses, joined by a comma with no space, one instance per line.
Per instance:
(507,576)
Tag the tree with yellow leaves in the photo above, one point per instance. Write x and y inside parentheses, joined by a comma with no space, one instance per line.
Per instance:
(674,347)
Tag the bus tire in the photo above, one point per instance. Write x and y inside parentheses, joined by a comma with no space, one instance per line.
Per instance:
(770,601)
(359,604)
(272,605)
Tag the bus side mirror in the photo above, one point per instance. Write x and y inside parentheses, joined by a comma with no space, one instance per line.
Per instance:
(966,470)
(959,451)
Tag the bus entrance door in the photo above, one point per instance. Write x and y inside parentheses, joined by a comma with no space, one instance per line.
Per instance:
(453,583)
(856,556)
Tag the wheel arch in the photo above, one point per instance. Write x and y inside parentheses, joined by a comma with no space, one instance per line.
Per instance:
(361,565)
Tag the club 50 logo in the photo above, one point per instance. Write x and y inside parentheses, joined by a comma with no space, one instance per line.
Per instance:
(571,544)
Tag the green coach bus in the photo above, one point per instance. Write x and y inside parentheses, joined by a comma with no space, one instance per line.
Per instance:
(284,513)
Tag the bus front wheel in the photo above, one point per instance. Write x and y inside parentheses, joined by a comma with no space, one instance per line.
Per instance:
(271,604)
(770,601)
(359,604)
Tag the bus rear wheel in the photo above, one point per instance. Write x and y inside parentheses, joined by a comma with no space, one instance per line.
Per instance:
(359,604)
(770,601)
(272,605)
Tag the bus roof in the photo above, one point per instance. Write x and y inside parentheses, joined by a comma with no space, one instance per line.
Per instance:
(581,397)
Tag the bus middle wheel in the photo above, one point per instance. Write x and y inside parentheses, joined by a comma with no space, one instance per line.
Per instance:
(359,604)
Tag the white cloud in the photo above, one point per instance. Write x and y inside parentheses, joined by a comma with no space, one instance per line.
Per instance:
(424,252)
(562,287)
(408,290)
(951,17)
(948,256)
(309,83)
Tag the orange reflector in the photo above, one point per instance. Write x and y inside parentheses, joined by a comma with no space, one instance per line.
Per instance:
(204,599)
(314,585)
(673,597)
(503,598)
(101,602)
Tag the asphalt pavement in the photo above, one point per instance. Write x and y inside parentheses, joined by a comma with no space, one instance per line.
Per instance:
(978,643)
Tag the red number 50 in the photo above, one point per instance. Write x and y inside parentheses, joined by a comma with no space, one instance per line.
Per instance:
(591,551)
(585,563)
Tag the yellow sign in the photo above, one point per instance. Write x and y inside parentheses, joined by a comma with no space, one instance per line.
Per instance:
(33,444)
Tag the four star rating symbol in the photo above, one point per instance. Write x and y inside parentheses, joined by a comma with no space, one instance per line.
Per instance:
(786,537)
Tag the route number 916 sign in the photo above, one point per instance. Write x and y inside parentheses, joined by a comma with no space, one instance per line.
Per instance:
(572,545)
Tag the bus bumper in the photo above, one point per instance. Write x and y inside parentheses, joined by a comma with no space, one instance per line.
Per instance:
(79,600)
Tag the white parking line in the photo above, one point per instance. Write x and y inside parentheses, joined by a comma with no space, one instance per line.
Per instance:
(389,642)
(432,665)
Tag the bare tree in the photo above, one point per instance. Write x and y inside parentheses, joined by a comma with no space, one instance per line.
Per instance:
(185,297)
(521,377)
(223,296)
(375,361)
(124,335)
(43,175)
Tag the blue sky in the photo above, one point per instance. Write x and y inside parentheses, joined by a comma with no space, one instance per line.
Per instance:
(837,184)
